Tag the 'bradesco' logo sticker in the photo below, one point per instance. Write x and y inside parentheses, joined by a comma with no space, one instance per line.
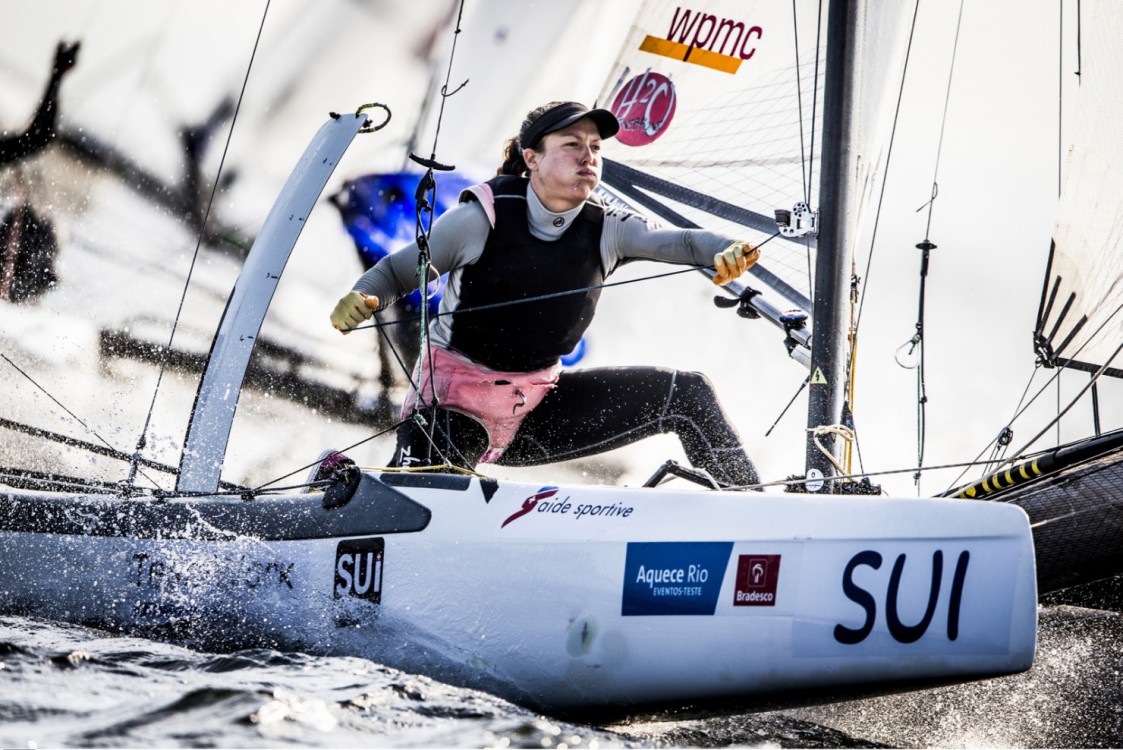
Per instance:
(673,578)
(757,578)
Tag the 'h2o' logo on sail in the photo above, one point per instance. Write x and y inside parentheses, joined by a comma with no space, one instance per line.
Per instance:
(644,107)
(901,632)
(358,569)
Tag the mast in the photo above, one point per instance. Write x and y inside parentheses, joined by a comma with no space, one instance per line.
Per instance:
(832,262)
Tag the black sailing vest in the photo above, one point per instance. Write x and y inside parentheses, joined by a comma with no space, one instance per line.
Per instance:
(517,265)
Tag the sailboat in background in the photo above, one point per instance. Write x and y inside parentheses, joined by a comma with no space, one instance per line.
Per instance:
(570,597)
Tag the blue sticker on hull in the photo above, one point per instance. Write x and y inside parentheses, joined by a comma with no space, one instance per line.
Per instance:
(673,578)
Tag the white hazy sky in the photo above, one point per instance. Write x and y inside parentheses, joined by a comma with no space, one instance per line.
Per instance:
(147,68)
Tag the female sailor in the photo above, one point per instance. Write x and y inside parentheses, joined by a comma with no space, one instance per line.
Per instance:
(491,387)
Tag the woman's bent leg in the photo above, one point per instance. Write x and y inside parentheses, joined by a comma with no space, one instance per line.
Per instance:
(445,437)
(596,410)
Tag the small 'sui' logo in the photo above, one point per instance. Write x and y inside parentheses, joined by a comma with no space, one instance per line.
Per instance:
(358,569)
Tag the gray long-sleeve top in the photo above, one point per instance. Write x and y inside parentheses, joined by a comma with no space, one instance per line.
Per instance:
(458,237)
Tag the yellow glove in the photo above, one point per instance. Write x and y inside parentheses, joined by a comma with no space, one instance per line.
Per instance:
(352,310)
(734,261)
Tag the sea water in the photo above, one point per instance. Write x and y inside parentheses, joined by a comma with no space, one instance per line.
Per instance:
(64,685)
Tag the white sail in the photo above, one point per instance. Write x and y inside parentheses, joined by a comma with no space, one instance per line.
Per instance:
(500,57)
(1081,324)
(718,98)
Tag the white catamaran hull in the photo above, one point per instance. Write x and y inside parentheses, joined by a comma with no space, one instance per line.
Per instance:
(559,598)
(587,599)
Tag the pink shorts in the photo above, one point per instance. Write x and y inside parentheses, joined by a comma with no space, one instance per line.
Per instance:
(499,400)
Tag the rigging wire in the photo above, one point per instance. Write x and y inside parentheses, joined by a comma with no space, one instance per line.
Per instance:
(798,480)
(857,300)
(425,198)
(1056,376)
(540,297)
(354,445)
(11,425)
(1006,433)
(888,156)
(809,166)
(1061,412)
(1095,377)
(803,171)
(943,123)
(926,245)
(157,42)
(142,440)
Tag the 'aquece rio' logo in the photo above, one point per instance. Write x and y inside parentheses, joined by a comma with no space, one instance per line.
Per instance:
(530,502)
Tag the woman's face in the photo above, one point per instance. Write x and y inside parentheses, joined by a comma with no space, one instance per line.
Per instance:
(567,170)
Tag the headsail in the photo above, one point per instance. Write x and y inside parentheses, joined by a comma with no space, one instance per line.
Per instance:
(1081,320)
(866,56)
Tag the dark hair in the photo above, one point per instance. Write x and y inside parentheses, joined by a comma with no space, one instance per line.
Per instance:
(513,162)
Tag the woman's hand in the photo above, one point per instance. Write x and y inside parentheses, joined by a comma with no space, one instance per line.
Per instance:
(734,261)
(352,310)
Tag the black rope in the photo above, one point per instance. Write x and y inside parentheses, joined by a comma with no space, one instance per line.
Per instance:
(58,403)
(888,158)
(101,450)
(35,480)
(810,165)
(367,439)
(107,450)
(799,390)
(804,171)
(426,198)
(925,246)
(142,440)
(541,297)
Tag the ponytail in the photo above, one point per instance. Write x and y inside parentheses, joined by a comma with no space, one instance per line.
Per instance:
(513,162)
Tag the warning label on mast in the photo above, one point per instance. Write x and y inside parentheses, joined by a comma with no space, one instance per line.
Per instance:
(818,378)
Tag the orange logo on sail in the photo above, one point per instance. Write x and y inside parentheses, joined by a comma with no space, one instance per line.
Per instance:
(705,39)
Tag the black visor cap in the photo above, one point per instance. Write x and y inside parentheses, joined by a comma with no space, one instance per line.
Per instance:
(564,115)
